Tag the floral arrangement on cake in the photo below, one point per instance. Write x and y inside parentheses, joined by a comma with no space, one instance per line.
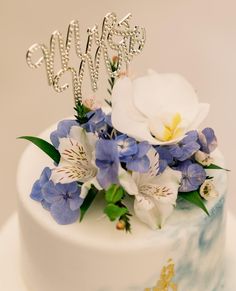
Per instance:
(144,147)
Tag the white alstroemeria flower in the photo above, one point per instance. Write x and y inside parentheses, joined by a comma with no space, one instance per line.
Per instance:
(203,158)
(208,190)
(77,160)
(155,195)
(158,108)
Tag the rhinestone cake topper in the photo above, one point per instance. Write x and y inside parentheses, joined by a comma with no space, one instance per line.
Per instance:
(131,42)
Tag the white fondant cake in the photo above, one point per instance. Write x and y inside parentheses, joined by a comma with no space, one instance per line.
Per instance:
(94,256)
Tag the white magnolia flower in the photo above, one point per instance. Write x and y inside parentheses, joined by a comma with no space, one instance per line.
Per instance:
(208,190)
(203,158)
(77,160)
(155,196)
(158,108)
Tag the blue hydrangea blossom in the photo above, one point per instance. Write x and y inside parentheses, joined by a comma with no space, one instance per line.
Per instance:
(63,130)
(107,160)
(186,148)
(193,175)
(207,140)
(65,201)
(36,192)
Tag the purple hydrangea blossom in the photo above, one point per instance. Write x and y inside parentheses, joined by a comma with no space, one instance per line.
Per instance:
(207,140)
(186,148)
(63,130)
(193,175)
(107,160)
(65,201)
(36,193)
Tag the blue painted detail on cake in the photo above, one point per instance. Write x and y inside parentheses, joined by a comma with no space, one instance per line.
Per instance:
(199,260)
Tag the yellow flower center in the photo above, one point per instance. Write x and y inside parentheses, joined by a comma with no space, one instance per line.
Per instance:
(167,128)
(173,130)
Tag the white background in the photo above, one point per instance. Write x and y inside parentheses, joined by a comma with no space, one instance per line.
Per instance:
(196,38)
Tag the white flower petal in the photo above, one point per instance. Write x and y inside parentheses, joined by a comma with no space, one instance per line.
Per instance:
(87,185)
(160,93)
(203,110)
(157,196)
(154,162)
(87,139)
(127,182)
(152,214)
(146,178)
(125,118)
(138,104)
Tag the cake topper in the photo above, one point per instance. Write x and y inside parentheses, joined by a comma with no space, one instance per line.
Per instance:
(131,42)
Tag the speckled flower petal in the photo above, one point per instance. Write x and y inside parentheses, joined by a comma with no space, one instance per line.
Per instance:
(74,152)
(67,174)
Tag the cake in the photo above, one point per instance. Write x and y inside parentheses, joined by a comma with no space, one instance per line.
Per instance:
(132,194)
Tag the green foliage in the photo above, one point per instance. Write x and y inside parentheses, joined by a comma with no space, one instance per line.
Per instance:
(114,194)
(114,66)
(46,147)
(81,111)
(215,167)
(126,219)
(92,193)
(114,211)
(195,198)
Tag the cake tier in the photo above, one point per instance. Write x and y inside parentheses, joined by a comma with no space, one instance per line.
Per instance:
(94,256)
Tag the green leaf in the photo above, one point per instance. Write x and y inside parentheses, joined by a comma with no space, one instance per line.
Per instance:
(114,211)
(81,111)
(114,194)
(215,167)
(126,219)
(92,193)
(194,198)
(49,149)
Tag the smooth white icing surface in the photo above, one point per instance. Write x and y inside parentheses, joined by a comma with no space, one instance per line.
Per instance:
(94,256)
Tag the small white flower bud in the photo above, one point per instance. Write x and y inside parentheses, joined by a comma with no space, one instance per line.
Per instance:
(208,191)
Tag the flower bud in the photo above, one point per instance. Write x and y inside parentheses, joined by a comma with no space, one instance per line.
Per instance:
(121,225)
(203,158)
(115,59)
